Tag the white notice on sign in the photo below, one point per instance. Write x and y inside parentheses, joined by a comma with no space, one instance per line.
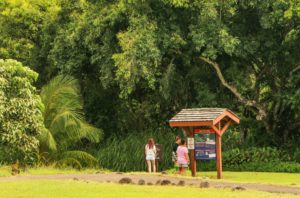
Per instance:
(190,143)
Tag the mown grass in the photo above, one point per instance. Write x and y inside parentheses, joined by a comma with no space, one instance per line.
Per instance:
(48,170)
(76,189)
(291,179)
(256,177)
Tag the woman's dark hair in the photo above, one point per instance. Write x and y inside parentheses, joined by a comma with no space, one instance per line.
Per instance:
(182,142)
(150,143)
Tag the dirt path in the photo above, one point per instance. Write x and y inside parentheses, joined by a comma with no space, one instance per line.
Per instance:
(153,179)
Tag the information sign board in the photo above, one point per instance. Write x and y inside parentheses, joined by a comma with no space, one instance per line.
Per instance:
(190,143)
(205,146)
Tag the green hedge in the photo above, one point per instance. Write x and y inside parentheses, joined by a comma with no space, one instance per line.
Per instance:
(289,167)
(254,159)
(126,154)
(253,154)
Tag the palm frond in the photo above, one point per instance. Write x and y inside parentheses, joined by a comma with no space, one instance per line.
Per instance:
(63,121)
(69,162)
(63,114)
(62,91)
(84,158)
(91,133)
(46,139)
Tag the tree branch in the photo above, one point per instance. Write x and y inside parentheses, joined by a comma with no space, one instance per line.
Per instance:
(261,110)
(294,70)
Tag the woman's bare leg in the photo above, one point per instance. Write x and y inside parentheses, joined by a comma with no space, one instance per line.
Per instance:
(179,170)
(182,170)
(149,165)
(153,165)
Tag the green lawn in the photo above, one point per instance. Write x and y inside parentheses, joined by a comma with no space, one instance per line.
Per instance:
(49,170)
(256,177)
(290,179)
(63,188)
(76,189)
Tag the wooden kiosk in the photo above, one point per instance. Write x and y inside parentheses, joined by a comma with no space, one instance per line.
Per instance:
(205,120)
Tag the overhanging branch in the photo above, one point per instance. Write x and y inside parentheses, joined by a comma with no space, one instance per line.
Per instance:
(261,110)
(294,70)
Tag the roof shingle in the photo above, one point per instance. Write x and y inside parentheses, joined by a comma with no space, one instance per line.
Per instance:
(199,114)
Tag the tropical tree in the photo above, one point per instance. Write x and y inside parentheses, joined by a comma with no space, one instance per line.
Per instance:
(252,46)
(30,19)
(64,121)
(21,119)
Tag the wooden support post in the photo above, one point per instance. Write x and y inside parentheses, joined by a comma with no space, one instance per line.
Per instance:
(190,132)
(219,155)
(192,156)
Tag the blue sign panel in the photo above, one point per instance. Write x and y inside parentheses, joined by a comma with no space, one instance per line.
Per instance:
(205,146)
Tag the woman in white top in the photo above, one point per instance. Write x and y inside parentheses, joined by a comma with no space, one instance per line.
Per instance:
(150,152)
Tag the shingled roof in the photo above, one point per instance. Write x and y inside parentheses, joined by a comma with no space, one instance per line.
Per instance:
(202,117)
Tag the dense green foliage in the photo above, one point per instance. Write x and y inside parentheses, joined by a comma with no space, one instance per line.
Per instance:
(271,166)
(265,159)
(127,155)
(21,118)
(288,167)
(237,156)
(140,62)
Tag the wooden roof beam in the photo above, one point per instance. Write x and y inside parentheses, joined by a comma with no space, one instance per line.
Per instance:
(223,115)
(225,127)
(216,129)
(187,124)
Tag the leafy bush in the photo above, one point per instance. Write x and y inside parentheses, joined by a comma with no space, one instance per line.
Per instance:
(21,119)
(289,167)
(206,165)
(253,154)
(127,154)
(253,159)
(297,156)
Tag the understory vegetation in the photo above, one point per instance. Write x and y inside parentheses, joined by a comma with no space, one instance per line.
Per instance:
(264,159)
(127,154)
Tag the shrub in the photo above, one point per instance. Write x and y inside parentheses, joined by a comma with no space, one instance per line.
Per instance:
(20,116)
(289,167)
(253,159)
(253,154)
(297,156)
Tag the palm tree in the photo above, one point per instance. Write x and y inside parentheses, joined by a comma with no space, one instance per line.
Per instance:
(64,121)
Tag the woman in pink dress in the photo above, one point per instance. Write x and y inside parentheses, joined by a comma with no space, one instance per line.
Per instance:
(182,157)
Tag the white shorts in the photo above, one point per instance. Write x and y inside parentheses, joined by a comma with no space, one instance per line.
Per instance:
(150,158)
(183,165)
